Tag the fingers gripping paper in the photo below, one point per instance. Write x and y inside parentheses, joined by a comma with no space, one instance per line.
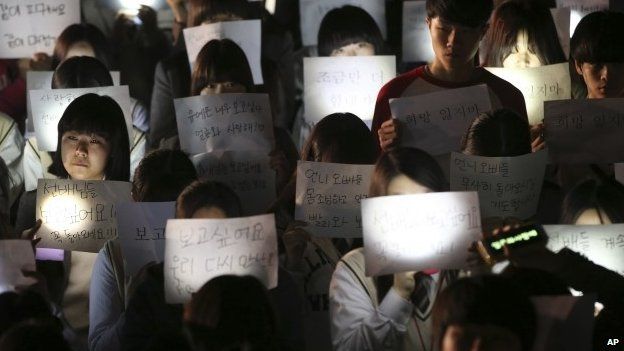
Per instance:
(48,105)
(247,34)
(224,122)
(31,26)
(437,122)
(421,231)
(78,215)
(328,197)
(15,256)
(507,186)
(198,250)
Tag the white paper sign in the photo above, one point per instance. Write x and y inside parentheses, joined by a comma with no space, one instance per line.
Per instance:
(561,17)
(507,186)
(224,122)
(141,228)
(37,80)
(538,84)
(417,45)
(15,256)
(78,215)
(344,84)
(619,172)
(198,250)
(313,11)
(247,34)
(48,106)
(602,244)
(581,8)
(31,26)
(248,173)
(436,122)
(328,197)
(421,231)
(585,131)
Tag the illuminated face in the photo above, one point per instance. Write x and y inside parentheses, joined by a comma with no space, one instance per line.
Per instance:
(522,56)
(84,156)
(403,185)
(362,48)
(80,48)
(454,45)
(223,88)
(591,217)
(209,212)
(603,80)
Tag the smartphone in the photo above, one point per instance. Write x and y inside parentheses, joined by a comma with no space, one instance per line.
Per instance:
(492,249)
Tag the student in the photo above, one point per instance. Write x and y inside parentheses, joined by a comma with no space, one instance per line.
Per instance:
(231,312)
(34,335)
(501,133)
(456,28)
(594,202)
(11,146)
(521,35)
(378,313)
(597,52)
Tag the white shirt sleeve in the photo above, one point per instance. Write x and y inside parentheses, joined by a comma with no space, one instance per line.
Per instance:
(356,324)
(11,147)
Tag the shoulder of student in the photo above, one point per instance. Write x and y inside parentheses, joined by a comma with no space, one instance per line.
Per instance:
(509,96)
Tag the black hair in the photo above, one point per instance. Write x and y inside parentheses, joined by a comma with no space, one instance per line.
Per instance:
(598,38)
(82,32)
(201,11)
(34,335)
(100,115)
(205,193)
(19,307)
(340,138)
(604,195)
(348,25)
(475,13)
(162,175)
(221,61)
(497,134)
(511,18)
(485,300)
(81,72)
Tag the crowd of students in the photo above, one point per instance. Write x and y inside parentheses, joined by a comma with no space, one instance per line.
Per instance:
(323,299)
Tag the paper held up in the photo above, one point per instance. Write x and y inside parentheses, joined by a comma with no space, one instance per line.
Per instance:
(581,8)
(598,123)
(198,250)
(48,105)
(223,122)
(78,215)
(16,256)
(436,122)
(507,186)
(246,34)
(32,26)
(538,84)
(344,84)
(417,46)
(141,228)
(420,231)
(247,172)
(328,197)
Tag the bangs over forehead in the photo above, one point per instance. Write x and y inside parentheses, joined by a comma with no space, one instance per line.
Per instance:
(347,25)
(598,38)
(473,13)
(102,116)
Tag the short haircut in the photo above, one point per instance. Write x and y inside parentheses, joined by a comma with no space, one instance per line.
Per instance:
(485,300)
(502,133)
(205,193)
(100,115)
(81,72)
(415,164)
(201,11)
(340,138)
(221,61)
(604,195)
(162,175)
(81,32)
(511,18)
(469,13)
(348,25)
(598,38)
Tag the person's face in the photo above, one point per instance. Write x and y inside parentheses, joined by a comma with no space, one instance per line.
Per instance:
(80,48)
(454,45)
(211,212)
(362,48)
(403,185)
(603,80)
(84,156)
(223,88)
(591,217)
(522,55)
